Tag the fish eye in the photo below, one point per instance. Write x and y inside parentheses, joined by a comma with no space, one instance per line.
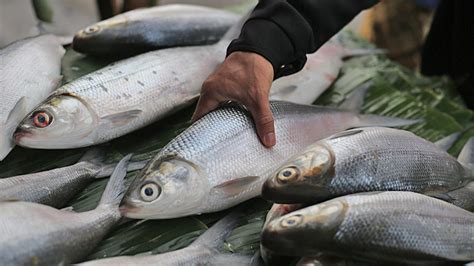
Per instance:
(41,119)
(150,192)
(288,174)
(291,221)
(92,29)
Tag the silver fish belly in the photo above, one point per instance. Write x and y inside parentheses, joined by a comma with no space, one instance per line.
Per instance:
(29,70)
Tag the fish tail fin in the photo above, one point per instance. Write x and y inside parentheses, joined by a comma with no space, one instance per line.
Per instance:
(462,197)
(115,188)
(466,156)
(354,104)
(217,234)
(108,169)
(448,141)
(349,52)
(94,155)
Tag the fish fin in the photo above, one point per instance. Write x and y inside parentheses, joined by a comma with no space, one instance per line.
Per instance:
(14,118)
(355,100)
(93,155)
(67,209)
(448,141)
(132,166)
(218,233)
(348,52)
(231,259)
(234,186)
(466,156)
(346,133)
(115,188)
(122,118)
(384,121)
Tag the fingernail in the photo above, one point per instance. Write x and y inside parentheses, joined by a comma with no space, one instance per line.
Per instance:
(269,139)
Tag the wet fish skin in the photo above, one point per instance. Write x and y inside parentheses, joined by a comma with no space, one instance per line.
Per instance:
(57,186)
(29,70)
(121,98)
(277,210)
(148,29)
(203,251)
(219,162)
(389,226)
(35,234)
(462,197)
(362,160)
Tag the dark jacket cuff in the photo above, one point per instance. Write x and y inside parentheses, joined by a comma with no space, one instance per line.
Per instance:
(258,35)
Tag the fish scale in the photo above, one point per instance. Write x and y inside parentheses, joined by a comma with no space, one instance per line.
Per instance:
(394,226)
(207,143)
(30,70)
(442,230)
(390,159)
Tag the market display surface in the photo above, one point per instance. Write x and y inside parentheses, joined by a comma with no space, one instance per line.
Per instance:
(343,178)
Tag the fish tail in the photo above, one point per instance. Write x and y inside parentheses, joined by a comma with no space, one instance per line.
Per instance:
(115,188)
(466,156)
(217,234)
(108,169)
(384,121)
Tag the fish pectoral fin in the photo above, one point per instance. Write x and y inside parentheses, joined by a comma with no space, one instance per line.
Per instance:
(17,113)
(235,186)
(67,209)
(122,118)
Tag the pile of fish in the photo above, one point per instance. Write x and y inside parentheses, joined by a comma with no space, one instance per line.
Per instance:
(367,195)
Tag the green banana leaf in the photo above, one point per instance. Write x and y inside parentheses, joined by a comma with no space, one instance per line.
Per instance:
(394,91)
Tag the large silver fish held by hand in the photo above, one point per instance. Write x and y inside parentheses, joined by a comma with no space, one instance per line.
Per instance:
(57,186)
(392,226)
(147,29)
(363,160)
(35,234)
(29,71)
(219,161)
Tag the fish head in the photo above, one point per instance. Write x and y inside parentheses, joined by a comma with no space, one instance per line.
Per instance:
(315,226)
(98,38)
(167,187)
(63,121)
(303,179)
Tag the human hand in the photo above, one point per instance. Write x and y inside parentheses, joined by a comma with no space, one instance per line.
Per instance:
(244,78)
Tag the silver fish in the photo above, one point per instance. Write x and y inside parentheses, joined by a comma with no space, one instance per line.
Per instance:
(320,71)
(203,251)
(362,160)
(389,226)
(57,186)
(35,234)
(277,211)
(149,29)
(218,162)
(29,70)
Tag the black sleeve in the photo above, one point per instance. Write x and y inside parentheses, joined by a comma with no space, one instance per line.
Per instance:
(285,31)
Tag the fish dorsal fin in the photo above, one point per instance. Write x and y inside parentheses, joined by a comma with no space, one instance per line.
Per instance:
(448,141)
(346,133)
(355,100)
(235,186)
(466,156)
(122,118)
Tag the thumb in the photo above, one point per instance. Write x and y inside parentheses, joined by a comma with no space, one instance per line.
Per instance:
(263,118)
